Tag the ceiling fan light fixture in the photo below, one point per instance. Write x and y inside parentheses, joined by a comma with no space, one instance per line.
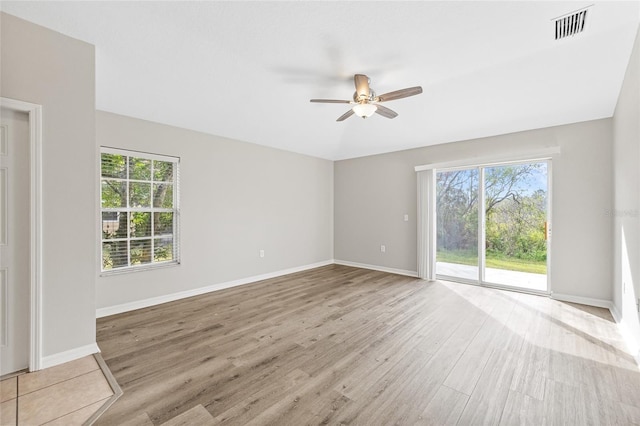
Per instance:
(364,110)
(365,101)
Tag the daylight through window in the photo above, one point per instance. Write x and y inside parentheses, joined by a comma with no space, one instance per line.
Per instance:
(139,209)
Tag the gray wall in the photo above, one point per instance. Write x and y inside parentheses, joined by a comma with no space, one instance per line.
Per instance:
(626,214)
(44,67)
(236,198)
(373,193)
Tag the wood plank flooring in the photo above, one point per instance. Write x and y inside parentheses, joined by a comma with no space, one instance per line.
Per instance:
(346,346)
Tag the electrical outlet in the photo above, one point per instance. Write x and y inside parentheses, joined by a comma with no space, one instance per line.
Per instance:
(383,249)
(261,253)
(406,218)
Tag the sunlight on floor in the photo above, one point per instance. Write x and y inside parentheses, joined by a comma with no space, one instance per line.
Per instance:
(567,328)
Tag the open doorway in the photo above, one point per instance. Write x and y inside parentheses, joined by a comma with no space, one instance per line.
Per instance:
(14,241)
(20,236)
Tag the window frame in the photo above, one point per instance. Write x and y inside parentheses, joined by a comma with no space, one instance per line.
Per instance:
(128,210)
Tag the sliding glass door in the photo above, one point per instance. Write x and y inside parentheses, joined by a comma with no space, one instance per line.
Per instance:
(516,225)
(457,224)
(492,224)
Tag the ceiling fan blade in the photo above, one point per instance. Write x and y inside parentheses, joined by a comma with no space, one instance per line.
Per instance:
(399,94)
(330,101)
(362,85)
(345,115)
(386,112)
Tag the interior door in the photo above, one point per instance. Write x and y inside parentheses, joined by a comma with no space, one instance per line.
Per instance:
(14,241)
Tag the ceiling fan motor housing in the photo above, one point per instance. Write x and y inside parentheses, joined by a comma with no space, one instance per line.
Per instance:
(363,97)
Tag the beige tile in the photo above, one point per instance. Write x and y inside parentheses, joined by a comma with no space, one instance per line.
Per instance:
(8,412)
(48,404)
(8,389)
(78,417)
(197,415)
(31,382)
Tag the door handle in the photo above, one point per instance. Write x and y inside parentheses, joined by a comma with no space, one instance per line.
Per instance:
(546,231)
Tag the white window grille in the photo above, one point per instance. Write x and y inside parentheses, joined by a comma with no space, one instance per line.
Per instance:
(139,214)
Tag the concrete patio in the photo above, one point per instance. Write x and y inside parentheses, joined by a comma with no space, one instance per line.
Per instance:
(526,280)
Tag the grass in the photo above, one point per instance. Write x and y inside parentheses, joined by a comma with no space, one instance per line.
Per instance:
(493,260)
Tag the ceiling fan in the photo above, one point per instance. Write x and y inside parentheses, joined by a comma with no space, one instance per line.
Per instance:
(365,101)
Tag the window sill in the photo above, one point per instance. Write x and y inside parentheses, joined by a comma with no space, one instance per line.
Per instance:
(132,269)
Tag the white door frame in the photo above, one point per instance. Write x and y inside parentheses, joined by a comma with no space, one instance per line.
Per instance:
(35,218)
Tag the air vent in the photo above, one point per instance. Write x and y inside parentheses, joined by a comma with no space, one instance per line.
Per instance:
(571,24)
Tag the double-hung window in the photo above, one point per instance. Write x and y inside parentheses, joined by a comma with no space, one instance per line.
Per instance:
(139,210)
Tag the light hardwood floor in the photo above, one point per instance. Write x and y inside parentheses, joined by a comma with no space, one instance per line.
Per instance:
(340,345)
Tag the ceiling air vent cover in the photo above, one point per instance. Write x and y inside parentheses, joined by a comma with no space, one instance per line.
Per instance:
(571,24)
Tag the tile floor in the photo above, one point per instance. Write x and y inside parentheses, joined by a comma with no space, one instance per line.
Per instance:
(67,394)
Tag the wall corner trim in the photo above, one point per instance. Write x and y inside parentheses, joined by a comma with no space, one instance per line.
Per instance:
(70,355)
(615,313)
(145,303)
(631,341)
(377,268)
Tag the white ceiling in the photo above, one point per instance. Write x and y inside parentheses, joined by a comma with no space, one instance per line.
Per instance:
(246,70)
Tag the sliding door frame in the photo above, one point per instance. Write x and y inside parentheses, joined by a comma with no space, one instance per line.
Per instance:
(481,281)
(481,226)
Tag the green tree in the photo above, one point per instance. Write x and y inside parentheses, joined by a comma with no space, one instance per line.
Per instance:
(153,187)
(456,210)
(515,214)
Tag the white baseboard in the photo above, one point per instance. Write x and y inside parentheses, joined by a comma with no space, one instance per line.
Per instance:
(145,303)
(70,355)
(377,268)
(600,303)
